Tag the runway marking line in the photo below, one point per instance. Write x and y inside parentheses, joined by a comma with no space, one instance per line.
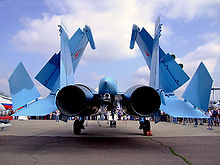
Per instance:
(171,150)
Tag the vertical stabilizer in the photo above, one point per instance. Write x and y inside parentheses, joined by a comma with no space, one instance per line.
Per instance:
(22,88)
(171,75)
(154,69)
(199,88)
(71,52)
(66,68)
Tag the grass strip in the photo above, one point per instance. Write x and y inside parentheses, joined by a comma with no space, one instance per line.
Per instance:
(172,150)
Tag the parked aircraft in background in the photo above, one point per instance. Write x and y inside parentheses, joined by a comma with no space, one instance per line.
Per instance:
(5,109)
(169,76)
(80,100)
(5,101)
(214,103)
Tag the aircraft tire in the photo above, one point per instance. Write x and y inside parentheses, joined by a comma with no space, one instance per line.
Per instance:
(146,127)
(77,125)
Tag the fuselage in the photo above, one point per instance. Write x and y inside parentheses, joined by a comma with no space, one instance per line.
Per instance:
(107,85)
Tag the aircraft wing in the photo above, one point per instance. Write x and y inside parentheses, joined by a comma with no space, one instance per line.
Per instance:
(49,76)
(199,88)
(180,108)
(171,75)
(22,88)
(39,107)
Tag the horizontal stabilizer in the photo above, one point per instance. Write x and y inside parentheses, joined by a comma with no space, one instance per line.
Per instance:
(199,88)
(40,107)
(179,108)
(49,76)
(22,88)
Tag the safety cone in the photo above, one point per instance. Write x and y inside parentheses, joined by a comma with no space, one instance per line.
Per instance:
(149,133)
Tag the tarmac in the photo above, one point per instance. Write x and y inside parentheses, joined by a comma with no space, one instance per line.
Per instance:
(50,142)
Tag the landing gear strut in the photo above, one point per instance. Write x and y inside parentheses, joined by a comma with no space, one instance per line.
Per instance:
(77,126)
(145,125)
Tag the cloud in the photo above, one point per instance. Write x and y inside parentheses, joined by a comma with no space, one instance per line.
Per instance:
(39,35)
(4,85)
(185,9)
(141,76)
(208,53)
(110,21)
(96,77)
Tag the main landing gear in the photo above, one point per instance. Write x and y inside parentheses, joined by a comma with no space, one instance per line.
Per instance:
(78,126)
(145,125)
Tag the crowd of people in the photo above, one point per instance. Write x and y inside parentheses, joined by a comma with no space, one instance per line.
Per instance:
(214,119)
(7,112)
(214,115)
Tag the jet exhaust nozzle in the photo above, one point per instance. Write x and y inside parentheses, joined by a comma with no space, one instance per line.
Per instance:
(76,100)
(141,101)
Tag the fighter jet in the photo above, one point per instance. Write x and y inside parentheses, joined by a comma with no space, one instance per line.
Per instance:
(5,101)
(166,76)
(76,99)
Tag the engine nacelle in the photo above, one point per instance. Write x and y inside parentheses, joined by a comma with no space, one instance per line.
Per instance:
(77,100)
(141,101)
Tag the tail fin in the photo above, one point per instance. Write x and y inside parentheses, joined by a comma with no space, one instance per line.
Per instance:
(66,67)
(154,74)
(171,75)
(22,87)
(49,76)
(199,88)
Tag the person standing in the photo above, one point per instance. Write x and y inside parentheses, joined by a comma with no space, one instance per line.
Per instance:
(57,115)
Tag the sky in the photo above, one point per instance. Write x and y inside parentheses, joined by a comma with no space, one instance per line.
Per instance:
(29,34)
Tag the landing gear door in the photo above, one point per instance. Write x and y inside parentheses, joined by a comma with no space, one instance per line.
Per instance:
(157,117)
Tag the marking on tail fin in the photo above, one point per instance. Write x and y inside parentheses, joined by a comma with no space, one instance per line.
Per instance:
(147,54)
(76,55)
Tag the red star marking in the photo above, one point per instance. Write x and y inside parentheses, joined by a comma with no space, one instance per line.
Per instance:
(76,55)
(147,54)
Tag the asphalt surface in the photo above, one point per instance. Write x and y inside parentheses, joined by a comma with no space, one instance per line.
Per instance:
(48,142)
